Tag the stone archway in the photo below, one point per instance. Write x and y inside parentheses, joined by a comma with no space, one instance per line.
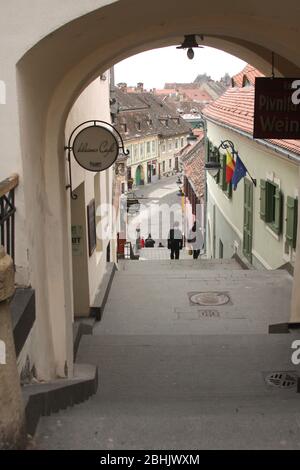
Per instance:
(54,72)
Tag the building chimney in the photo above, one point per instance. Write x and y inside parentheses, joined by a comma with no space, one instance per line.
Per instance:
(140,87)
(122,86)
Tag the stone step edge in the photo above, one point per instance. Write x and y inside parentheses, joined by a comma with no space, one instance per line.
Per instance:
(43,399)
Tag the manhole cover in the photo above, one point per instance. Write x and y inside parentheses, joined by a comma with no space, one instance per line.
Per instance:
(282,380)
(209,298)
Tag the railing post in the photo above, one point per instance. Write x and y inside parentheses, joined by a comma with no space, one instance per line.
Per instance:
(12,421)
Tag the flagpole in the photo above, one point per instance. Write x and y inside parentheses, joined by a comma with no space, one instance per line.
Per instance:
(252,179)
(225,144)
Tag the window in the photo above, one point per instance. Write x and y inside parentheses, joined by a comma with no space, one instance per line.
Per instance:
(164,166)
(148,147)
(291,221)
(170,145)
(221,249)
(271,205)
(135,152)
(182,141)
(153,146)
(170,163)
(141,150)
(129,149)
(163,147)
(176,143)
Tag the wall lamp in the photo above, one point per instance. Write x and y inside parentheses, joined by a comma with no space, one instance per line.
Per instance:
(213,166)
(190,43)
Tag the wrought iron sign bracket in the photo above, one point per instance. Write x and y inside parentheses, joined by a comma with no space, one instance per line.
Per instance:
(70,146)
(228,144)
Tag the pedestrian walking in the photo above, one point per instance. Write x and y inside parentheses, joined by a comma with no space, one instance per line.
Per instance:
(175,242)
(195,239)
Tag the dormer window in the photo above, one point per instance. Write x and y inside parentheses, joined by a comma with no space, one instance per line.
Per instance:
(246,81)
(124,127)
(164,122)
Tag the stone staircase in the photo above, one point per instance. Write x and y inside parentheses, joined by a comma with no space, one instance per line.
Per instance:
(179,375)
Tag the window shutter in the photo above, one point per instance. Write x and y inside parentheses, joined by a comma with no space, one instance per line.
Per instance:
(278,211)
(291,221)
(263,194)
(217,159)
(221,172)
(229,190)
(207,149)
(223,180)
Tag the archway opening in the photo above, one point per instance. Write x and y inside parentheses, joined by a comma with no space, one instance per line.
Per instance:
(46,95)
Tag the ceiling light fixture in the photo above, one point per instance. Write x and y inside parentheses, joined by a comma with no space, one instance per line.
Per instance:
(190,43)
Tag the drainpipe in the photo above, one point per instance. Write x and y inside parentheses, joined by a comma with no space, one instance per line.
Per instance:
(12,421)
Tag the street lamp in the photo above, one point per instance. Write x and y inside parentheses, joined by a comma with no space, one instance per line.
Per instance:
(190,43)
(213,167)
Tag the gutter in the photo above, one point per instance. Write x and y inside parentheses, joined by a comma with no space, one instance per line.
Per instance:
(289,155)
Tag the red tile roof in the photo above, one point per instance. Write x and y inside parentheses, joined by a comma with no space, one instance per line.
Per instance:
(199,133)
(165,91)
(249,73)
(196,94)
(236,109)
(193,160)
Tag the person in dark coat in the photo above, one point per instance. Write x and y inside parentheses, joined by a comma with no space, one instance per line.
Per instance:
(149,242)
(175,243)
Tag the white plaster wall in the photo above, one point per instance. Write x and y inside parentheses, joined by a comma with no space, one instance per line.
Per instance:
(169,154)
(17,35)
(92,104)
(261,163)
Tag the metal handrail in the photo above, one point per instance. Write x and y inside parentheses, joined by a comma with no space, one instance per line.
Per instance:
(7,214)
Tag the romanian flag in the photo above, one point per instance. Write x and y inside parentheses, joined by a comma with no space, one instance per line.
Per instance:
(230,165)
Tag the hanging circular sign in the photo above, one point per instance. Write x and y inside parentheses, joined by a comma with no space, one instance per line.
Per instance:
(95,148)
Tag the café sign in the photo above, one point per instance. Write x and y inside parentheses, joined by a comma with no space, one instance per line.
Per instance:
(95,148)
(277,108)
(95,145)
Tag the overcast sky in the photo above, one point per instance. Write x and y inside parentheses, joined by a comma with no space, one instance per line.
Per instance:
(155,68)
